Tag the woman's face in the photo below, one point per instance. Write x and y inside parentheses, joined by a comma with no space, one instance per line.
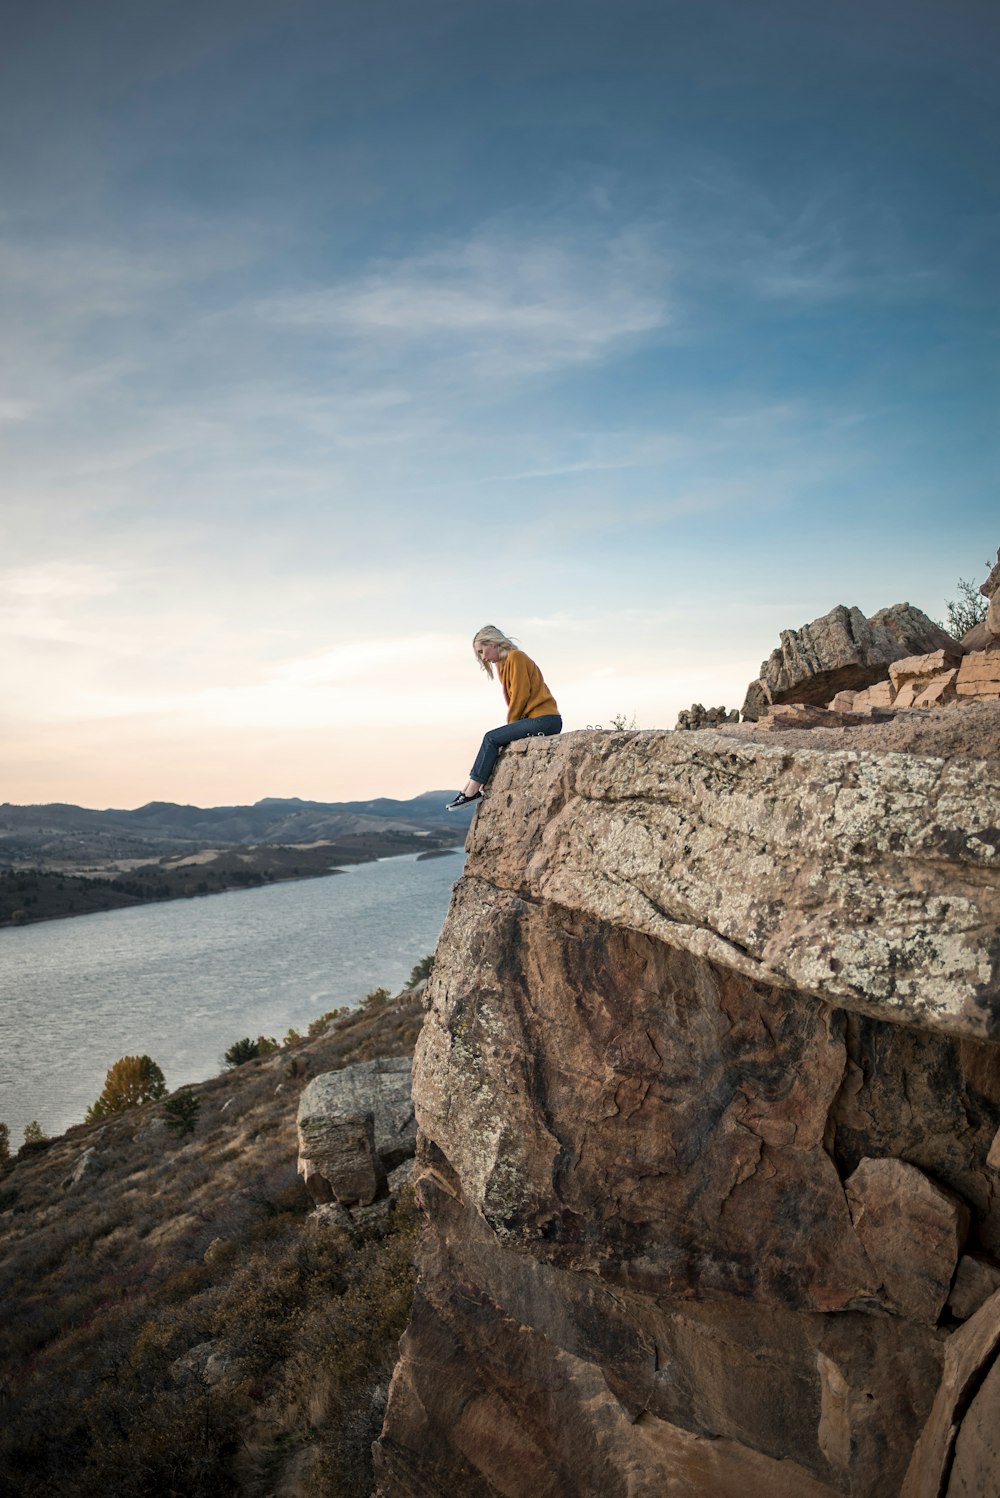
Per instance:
(490,653)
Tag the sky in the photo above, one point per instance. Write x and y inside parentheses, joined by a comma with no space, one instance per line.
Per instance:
(331,332)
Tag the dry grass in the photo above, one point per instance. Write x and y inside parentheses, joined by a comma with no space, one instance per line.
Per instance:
(112,1288)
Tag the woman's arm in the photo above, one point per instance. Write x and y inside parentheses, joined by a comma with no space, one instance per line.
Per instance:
(517,685)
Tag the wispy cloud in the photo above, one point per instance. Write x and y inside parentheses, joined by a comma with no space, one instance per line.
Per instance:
(517,305)
(827,241)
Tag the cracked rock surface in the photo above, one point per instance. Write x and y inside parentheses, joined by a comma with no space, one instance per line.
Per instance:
(707,1090)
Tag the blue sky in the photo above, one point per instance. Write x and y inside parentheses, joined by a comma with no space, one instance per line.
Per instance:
(334,331)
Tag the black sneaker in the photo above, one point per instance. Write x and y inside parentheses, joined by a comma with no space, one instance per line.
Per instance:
(463,800)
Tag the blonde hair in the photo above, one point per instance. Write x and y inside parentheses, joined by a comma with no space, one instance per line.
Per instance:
(490,635)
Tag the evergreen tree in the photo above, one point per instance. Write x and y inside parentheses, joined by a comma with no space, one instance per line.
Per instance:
(242,1051)
(422,970)
(182,1112)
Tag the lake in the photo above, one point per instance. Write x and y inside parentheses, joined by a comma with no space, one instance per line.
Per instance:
(183,980)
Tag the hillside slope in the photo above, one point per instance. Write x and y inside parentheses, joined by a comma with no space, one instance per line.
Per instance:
(173,1322)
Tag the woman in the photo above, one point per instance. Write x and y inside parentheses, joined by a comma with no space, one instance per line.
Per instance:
(531,707)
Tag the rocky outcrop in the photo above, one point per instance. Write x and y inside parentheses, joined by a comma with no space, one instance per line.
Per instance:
(355,1126)
(898,659)
(697,716)
(870,881)
(991,590)
(707,1092)
(844,651)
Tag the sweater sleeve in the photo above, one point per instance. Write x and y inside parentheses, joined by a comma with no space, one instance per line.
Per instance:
(517,685)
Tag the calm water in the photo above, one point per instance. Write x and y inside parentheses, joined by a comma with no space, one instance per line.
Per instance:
(181,981)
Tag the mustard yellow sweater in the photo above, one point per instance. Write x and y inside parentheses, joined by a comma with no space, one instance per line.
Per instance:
(526,693)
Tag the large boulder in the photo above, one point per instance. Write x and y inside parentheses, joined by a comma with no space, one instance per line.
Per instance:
(844,651)
(868,880)
(355,1126)
(688,984)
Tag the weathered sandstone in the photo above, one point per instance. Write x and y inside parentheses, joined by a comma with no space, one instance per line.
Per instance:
(912,1231)
(935,691)
(915,667)
(707,1090)
(879,695)
(844,651)
(922,680)
(355,1126)
(958,1454)
(979,675)
(976,1279)
(871,881)
(992,620)
(991,590)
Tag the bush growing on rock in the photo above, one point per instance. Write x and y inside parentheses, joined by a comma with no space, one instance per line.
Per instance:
(965,611)
(33,1132)
(4,1144)
(131,1081)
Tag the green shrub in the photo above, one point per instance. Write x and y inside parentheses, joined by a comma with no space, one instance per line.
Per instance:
(33,1133)
(4,1144)
(377,999)
(967,610)
(422,970)
(242,1051)
(182,1112)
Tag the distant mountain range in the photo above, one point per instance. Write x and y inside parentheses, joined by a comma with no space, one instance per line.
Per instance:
(77,833)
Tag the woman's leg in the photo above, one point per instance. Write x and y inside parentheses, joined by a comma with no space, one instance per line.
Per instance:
(496,738)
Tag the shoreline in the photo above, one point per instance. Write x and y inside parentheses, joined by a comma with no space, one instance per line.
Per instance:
(224,882)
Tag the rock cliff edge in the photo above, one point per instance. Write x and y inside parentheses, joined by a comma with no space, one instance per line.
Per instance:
(708,1093)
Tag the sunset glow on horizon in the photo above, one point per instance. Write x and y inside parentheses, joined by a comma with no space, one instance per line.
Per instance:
(643,331)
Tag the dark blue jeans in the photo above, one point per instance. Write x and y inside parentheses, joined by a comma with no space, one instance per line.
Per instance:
(493,742)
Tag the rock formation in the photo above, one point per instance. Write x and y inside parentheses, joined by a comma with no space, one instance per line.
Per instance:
(709,1099)
(355,1127)
(697,716)
(991,590)
(844,651)
(896,660)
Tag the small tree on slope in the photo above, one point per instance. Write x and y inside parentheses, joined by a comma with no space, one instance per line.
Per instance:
(131,1081)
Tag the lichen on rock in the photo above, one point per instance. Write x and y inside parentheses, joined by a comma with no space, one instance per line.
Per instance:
(706,1090)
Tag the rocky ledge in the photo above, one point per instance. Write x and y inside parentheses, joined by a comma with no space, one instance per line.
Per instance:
(708,1093)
